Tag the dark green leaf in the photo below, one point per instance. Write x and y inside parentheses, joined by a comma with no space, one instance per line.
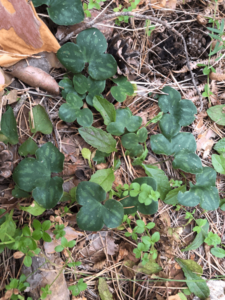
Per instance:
(196,284)
(18,193)
(98,138)
(68,88)
(93,215)
(106,109)
(142,134)
(41,120)
(28,147)
(204,192)
(90,48)
(100,157)
(123,88)
(124,119)
(188,162)
(63,12)
(80,83)
(9,127)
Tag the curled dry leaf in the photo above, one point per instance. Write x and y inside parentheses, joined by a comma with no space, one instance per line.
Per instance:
(71,234)
(22,32)
(8,295)
(5,80)
(18,254)
(201,20)
(10,98)
(217,76)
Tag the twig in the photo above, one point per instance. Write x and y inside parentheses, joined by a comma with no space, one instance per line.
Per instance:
(143,17)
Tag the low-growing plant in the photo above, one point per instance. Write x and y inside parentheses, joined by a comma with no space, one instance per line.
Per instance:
(17,286)
(218,161)
(34,175)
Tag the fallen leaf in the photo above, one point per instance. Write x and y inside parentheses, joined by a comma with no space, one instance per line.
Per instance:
(176,297)
(202,20)
(100,243)
(217,76)
(22,32)
(10,98)
(151,267)
(99,265)
(8,294)
(5,80)
(18,254)
(70,235)
(205,142)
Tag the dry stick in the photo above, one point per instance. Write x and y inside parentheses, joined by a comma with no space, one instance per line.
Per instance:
(143,17)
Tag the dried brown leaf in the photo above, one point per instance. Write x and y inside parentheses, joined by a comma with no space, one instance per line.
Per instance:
(5,80)
(217,76)
(18,254)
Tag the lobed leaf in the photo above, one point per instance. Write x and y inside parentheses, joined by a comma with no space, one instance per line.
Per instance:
(123,88)
(90,48)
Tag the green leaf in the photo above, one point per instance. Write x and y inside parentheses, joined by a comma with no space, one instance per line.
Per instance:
(103,289)
(218,252)
(59,248)
(98,138)
(70,111)
(129,140)
(80,83)
(196,284)
(9,127)
(212,239)
(104,178)
(134,205)
(204,192)
(46,237)
(199,239)
(218,162)
(93,215)
(124,120)
(8,228)
(37,235)
(100,157)
(151,267)
(220,146)
(181,112)
(18,193)
(216,113)
(27,261)
(163,185)
(86,153)
(123,88)
(34,209)
(35,175)
(36,224)
(46,225)
(106,109)
(183,146)
(90,48)
(42,123)
(171,197)
(63,12)
(68,88)
(142,135)
(28,147)
(2,219)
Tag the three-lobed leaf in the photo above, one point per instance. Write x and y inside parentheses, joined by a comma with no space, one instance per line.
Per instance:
(34,175)
(90,47)
(123,88)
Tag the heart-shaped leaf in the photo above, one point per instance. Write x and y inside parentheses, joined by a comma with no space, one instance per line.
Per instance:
(123,88)
(93,215)
(34,175)
(218,162)
(70,111)
(67,87)
(98,138)
(183,147)
(42,123)
(131,204)
(130,142)
(63,12)
(181,112)
(90,48)
(28,147)
(216,113)
(204,192)
(220,146)
(106,109)
(9,127)
(124,119)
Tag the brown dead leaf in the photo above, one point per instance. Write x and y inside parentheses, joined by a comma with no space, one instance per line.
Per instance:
(101,243)
(158,4)
(71,234)
(22,32)
(10,98)
(78,298)
(35,77)
(5,80)
(18,254)
(201,20)
(99,265)
(102,166)
(8,294)
(217,76)
(205,142)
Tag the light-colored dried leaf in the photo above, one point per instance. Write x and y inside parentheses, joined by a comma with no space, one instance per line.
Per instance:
(217,76)
(201,20)
(18,254)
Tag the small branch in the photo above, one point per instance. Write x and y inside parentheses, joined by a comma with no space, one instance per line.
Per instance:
(142,17)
